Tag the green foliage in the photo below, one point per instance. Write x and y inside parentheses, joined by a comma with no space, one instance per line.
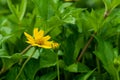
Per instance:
(111,4)
(49,76)
(47,60)
(87,32)
(86,76)
(106,55)
(77,67)
(19,9)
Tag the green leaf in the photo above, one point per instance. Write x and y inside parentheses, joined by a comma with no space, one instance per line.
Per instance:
(115,3)
(55,4)
(12,73)
(12,8)
(69,46)
(54,23)
(9,61)
(3,53)
(18,11)
(93,20)
(5,30)
(69,19)
(77,67)
(78,45)
(107,4)
(49,76)
(30,51)
(111,4)
(71,15)
(23,7)
(86,76)
(44,8)
(77,13)
(105,53)
(63,6)
(31,68)
(47,58)
(5,38)
(55,31)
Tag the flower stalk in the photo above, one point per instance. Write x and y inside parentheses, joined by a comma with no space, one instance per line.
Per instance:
(24,65)
(58,70)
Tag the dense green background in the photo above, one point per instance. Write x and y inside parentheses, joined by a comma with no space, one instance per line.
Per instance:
(88,32)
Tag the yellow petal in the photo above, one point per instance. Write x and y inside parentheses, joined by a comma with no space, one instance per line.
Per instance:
(46,38)
(48,42)
(35,33)
(35,44)
(28,36)
(44,46)
(31,42)
(38,34)
(41,33)
(47,45)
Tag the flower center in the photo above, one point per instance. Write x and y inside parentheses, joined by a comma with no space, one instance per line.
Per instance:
(40,42)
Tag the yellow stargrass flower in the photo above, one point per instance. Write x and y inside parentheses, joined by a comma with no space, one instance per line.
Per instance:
(40,40)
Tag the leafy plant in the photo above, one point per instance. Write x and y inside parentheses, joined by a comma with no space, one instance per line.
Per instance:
(66,40)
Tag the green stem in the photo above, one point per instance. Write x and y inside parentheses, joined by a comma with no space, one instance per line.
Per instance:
(98,65)
(23,52)
(58,70)
(24,65)
(4,70)
(28,47)
(117,76)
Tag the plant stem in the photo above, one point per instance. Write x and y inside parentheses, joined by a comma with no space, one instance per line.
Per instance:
(58,70)
(98,65)
(4,70)
(28,47)
(118,76)
(23,52)
(106,13)
(84,49)
(24,65)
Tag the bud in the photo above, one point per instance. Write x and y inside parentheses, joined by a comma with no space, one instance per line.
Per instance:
(55,45)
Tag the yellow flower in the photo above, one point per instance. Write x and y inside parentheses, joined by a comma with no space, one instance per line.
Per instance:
(40,40)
